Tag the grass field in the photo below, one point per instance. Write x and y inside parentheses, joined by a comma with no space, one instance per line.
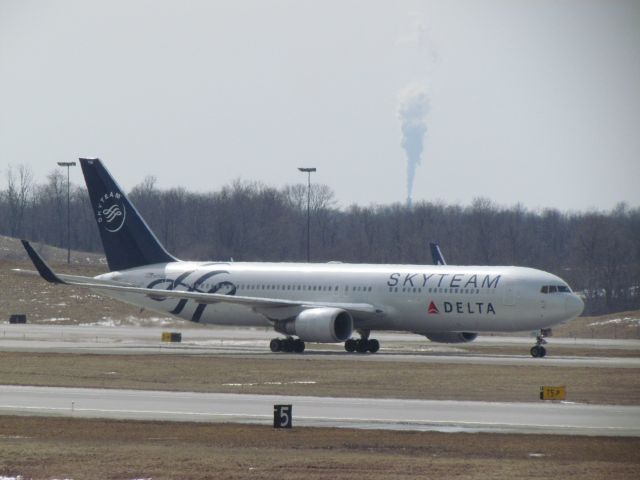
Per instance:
(37,447)
(236,374)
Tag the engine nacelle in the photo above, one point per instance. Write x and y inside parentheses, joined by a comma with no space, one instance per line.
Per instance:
(320,325)
(452,337)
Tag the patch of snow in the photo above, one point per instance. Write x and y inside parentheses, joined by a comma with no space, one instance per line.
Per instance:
(101,323)
(129,320)
(294,382)
(57,319)
(617,321)
(536,455)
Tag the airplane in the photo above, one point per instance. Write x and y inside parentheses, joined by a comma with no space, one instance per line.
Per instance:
(312,302)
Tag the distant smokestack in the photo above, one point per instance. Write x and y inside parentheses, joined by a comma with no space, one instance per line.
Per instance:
(413,105)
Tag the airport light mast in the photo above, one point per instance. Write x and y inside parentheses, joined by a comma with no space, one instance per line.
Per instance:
(68,164)
(308,171)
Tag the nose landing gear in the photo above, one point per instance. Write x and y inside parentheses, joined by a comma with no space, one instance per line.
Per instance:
(538,351)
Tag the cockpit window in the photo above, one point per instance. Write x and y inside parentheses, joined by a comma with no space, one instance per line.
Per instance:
(555,289)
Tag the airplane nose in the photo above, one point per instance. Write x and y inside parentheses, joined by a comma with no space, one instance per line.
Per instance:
(574,305)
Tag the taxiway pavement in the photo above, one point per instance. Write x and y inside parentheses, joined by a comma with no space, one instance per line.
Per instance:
(254,342)
(395,414)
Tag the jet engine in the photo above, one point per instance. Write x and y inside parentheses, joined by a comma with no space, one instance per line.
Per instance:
(451,337)
(320,325)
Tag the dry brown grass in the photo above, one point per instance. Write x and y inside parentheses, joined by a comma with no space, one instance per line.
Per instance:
(260,375)
(620,325)
(38,447)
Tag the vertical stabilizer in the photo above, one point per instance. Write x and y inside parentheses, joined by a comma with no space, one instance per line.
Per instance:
(127,240)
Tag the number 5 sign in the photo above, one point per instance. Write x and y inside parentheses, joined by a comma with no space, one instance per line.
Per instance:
(282,416)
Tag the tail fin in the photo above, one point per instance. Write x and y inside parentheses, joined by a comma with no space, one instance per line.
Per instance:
(436,254)
(127,240)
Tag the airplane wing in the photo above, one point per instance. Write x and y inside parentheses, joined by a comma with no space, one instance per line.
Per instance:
(257,303)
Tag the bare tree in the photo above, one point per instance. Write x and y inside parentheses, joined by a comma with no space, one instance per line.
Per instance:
(19,189)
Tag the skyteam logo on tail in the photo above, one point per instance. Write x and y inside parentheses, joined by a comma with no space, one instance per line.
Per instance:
(111,212)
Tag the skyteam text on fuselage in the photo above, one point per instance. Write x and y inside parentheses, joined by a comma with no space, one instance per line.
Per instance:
(313,302)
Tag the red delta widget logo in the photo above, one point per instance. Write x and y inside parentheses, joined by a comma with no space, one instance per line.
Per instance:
(432,309)
(470,308)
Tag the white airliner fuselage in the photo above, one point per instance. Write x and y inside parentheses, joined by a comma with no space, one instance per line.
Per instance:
(415,298)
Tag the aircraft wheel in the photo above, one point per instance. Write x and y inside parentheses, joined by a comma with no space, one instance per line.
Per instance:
(274,345)
(288,345)
(374,345)
(538,351)
(362,346)
(298,346)
(350,345)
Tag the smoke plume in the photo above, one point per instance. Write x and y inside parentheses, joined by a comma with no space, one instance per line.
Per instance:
(413,105)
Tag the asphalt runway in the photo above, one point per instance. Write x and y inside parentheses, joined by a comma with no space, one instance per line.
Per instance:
(394,414)
(255,342)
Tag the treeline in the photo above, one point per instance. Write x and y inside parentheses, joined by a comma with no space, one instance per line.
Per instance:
(596,252)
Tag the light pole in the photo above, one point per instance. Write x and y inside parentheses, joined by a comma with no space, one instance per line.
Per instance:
(308,171)
(68,164)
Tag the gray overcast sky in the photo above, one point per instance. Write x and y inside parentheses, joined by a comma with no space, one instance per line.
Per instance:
(529,101)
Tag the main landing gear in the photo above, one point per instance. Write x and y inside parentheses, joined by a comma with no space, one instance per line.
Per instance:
(363,344)
(538,351)
(288,345)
